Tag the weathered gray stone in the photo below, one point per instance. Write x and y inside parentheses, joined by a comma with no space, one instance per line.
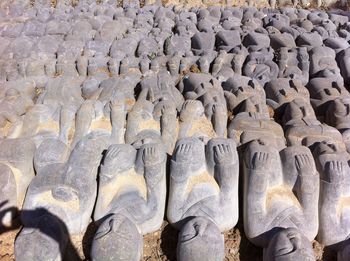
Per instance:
(260,66)
(16,157)
(45,240)
(323,64)
(12,108)
(256,41)
(293,63)
(252,121)
(324,90)
(343,60)
(205,88)
(117,239)
(200,239)
(193,123)
(140,188)
(302,127)
(158,118)
(289,244)
(269,201)
(239,88)
(333,166)
(283,90)
(204,182)
(67,190)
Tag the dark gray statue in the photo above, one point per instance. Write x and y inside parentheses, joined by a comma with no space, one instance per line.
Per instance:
(203,196)
(280,201)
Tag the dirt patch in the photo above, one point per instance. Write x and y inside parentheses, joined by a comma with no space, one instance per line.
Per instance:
(7,240)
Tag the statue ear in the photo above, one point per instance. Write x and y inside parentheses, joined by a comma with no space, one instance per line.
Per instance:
(105,228)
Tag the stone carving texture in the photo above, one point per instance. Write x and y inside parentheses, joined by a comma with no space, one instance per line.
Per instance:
(203,195)
(99,100)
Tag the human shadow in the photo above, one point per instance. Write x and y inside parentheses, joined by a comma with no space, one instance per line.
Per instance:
(168,245)
(46,224)
(247,250)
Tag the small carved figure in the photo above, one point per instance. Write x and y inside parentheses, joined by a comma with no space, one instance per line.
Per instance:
(293,63)
(207,89)
(239,88)
(271,210)
(281,91)
(200,239)
(45,240)
(193,123)
(132,193)
(253,121)
(324,90)
(117,238)
(154,112)
(302,127)
(205,186)
(260,66)
(203,196)
(12,108)
(67,190)
(323,64)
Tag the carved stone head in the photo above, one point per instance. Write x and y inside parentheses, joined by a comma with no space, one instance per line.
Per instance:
(287,245)
(117,239)
(298,109)
(200,239)
(45,241)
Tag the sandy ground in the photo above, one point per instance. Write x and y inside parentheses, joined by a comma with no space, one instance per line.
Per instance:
(160,246)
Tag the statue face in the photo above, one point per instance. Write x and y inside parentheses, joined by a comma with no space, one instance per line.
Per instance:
(287,245)
(34,245)
(43,241)
(299,109)
(249,89)
(117,239)
(254,105)
(340,108)
(200,237)
(90,89)
(326,147)
(201,88)
(284,92)
(324,63)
